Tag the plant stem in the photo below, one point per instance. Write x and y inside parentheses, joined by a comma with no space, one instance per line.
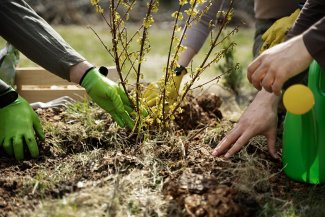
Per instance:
(214,44)
(115,49)
(138,75)
(167,67)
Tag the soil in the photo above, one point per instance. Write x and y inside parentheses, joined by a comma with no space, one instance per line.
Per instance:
(84,151)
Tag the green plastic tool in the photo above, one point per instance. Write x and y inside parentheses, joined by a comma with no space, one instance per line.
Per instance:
(303,154)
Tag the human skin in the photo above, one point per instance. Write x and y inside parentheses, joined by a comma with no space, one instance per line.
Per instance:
(260,118)
(77,71)
(276,65)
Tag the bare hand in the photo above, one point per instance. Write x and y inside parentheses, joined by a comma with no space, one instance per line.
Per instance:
(279,63)
(260,118)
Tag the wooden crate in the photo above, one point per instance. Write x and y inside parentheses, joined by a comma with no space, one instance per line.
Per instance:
(38,85)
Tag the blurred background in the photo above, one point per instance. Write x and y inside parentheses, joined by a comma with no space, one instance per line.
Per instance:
(72,20)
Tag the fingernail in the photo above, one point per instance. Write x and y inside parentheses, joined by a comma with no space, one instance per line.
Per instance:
(227,155)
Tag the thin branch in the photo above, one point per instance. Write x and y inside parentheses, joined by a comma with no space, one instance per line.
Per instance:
(215,78)
(99,38)
(141,53)
(115,49)
(168,60)
(214,44)
(127,11)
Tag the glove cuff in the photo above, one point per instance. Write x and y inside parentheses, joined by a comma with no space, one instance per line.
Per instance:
(179,69)
(84,75)
(102,70)
(8,97)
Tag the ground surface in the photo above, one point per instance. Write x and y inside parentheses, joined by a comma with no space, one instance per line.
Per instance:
(90,167)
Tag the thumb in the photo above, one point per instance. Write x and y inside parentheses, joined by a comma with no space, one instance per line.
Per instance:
(38,127)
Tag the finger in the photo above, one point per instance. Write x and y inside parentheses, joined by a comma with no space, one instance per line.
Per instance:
(258,77)
(266,44)
(151,96)
(267,82)
(271,140)
(243,140)
(7,146)
(128,109)
(277,40)
(123,97)
(150,89)
(38,127)
(252,68)
(18,146)
(116,104)
(151,102)
(32,146)
(276,87)
(227,141)
(127,119)
(266,34)
(270,38)
(264,47)
(117,119)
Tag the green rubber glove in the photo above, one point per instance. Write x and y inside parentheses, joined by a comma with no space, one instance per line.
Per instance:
(276,33)
(109,96)
(18,121)
(153,91)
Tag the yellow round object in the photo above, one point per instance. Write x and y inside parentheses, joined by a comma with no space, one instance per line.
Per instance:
(298,99)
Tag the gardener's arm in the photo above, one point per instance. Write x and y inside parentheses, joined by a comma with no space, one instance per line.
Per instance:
(198,32)
(195,38)
(275,66)
(311,24)
(22,27)
(260,118)
(33,36)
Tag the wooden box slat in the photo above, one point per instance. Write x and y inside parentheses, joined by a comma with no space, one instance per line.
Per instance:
(36,84)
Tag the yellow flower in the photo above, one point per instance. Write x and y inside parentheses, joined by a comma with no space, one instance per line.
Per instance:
(94,2)
(183,2)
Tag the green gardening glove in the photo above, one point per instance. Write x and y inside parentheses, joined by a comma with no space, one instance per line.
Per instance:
(109,96)
(276,33)
(153,91)
(18,121)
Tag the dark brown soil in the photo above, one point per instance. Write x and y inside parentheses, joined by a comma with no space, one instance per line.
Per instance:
(194,182)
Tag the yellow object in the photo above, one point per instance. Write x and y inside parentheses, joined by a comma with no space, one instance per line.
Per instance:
(276,33)
(298,99)
(153,91)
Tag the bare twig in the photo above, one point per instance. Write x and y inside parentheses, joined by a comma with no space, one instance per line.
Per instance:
(168,60)
(213,45)
(115,49)
(141,53)
(101,41)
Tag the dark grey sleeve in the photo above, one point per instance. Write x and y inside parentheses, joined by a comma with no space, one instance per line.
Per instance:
(197,34)
(34,37)
(311,23)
